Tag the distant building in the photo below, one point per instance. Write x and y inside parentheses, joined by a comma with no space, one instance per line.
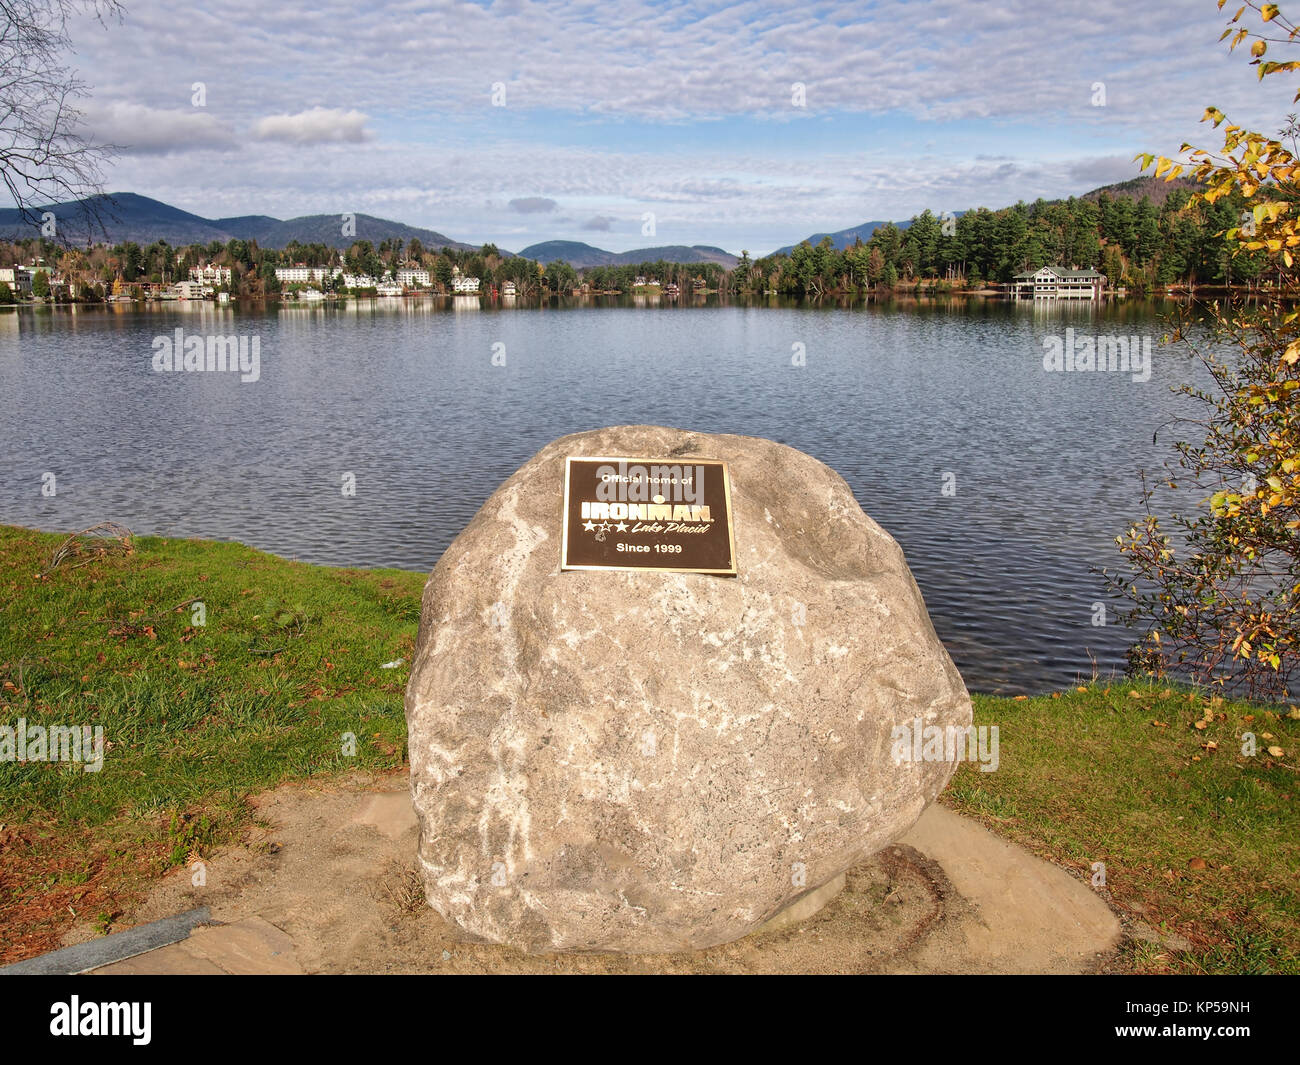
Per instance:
(359,281)
(302,275)
(211,276)
(1057,283)
(18,280)
(191,290)
(413,277)
(508,288)
(465,284)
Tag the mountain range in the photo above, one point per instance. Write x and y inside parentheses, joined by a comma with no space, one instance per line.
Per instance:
(844,238)
(128,216)
(580,256)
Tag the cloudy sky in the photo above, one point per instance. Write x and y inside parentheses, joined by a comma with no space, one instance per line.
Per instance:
(748,125)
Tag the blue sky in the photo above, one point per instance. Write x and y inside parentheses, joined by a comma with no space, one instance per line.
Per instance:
(615,110)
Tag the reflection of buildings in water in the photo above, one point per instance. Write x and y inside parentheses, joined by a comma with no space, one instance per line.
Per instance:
(9,323)
(466,303)
(359,305)
(1056,309)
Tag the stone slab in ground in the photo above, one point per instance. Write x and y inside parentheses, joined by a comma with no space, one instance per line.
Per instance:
(342,890)
(251,947)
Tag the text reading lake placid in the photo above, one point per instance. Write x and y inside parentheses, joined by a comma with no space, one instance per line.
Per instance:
(661,514)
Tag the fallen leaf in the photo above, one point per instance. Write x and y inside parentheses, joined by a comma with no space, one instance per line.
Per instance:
(1196,863)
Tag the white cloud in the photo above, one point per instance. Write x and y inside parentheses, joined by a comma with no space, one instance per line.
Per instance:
(136,128)
(319,125)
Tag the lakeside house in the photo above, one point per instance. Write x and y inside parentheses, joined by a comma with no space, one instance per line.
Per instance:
(465,285)
(359,281)
(210,276)
(20,278)
(302,275)
(413,277)
(17,279)
(507,288)
(1058,283)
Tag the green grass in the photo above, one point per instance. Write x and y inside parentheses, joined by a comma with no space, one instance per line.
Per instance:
(196,717)
(199,718)
(1197,839)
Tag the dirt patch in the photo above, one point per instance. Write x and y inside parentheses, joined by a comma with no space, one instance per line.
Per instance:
(333,869)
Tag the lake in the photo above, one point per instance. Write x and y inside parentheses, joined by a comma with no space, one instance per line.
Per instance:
(1005,483)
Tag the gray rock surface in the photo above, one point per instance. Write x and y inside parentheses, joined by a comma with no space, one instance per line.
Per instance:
(637,761)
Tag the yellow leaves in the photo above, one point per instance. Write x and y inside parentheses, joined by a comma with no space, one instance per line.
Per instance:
(1258,48)
(1271,211)
(1268,12)
(1276,752)
(1265,69)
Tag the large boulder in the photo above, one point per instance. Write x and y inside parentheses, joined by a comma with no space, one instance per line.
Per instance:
(648,761)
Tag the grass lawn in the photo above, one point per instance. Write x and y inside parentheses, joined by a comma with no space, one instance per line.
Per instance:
(284,679)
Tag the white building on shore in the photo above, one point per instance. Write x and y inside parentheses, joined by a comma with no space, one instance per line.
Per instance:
(211,276)
(413,277)
(1058,283)
(304,275)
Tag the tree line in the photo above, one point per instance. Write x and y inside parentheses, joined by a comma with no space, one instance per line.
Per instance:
(1136,243)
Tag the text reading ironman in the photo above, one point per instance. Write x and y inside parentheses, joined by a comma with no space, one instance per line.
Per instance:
(664,514)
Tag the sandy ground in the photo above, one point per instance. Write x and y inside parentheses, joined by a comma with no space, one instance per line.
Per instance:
(326,883)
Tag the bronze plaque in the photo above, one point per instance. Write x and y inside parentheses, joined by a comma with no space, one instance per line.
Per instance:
(657,514)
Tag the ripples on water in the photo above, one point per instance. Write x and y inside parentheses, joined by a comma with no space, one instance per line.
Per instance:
(404,395)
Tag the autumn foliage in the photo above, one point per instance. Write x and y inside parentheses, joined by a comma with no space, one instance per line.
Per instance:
(1218,591)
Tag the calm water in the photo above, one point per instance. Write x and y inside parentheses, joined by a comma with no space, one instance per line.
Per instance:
(404,396)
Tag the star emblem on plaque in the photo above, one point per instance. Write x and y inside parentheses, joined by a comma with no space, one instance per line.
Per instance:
(672,515)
